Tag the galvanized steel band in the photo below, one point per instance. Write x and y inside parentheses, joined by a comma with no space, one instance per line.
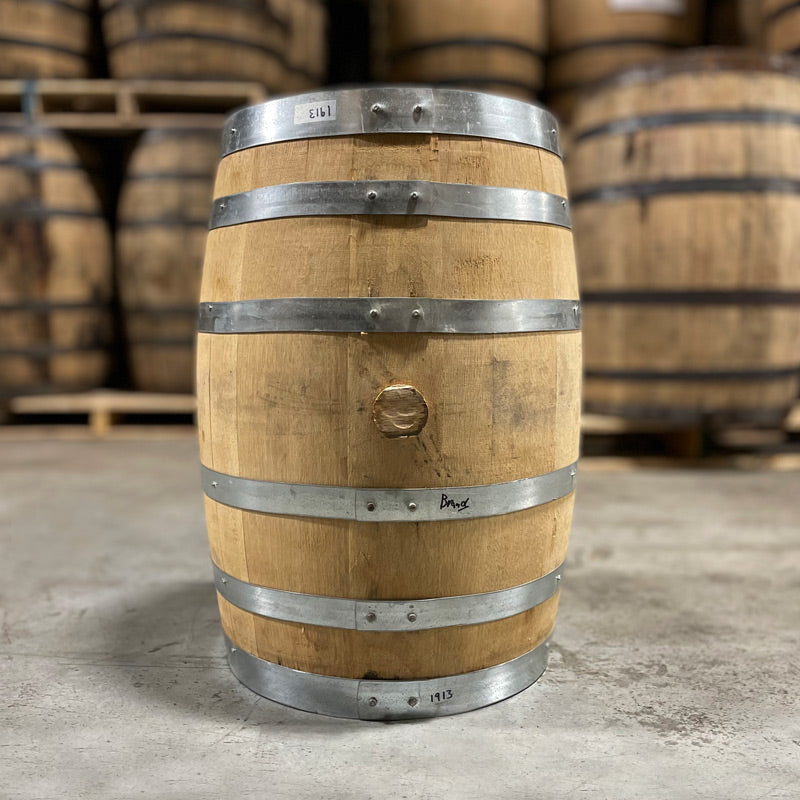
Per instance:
(388,505)
(397,109)
(389,315)
(385,699)
(387,615)
(403,198)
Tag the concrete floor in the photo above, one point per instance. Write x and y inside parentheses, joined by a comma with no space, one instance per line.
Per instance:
(675,668)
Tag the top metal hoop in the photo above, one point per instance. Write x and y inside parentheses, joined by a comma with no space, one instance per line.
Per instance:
(390,109)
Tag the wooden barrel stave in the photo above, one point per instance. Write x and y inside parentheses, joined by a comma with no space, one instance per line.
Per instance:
(293,388)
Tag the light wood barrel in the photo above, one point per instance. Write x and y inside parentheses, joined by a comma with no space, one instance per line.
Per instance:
(45,38)
(162,223)
(55,258)
(388,384)
(495,47)
(686,186)
(780,21)
(209,39)
(592,39)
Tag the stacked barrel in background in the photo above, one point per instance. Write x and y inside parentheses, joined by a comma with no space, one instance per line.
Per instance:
(40,39)
(55,261)
(686,188)
(162,222)
(780,26)
(591,39)
(494,47)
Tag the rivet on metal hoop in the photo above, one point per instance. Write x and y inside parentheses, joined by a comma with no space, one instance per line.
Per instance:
(412,701)
(374,313)
(377,108)
(412,617)
(372,702)
(370,506)
(372,195)
(371,617)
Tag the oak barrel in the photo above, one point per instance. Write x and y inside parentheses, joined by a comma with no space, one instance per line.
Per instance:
(208,39)
(686,188)
(55,264)
(495,47)
(780,26)
(388,397)
(592,39)
(162,221)
(45,39)
(306,45)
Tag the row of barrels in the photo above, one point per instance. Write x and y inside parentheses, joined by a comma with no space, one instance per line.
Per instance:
(279,43)
(57,259)
(684,184)
(535,48)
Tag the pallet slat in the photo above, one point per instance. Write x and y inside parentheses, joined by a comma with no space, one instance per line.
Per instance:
(115,105)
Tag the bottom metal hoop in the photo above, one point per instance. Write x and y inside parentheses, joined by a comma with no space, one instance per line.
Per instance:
(387,700)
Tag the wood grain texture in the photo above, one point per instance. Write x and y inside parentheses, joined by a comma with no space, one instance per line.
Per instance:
(298,407)
(743,241)
(45,40)
(176,39)
(500,67)
(55,249)
(589,40)
(161,232)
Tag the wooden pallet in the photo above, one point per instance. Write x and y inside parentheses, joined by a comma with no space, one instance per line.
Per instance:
(104,410)
(692,446)
(108,106)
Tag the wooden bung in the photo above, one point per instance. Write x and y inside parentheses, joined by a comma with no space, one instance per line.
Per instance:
(388,410)
(55,258)
(686,192)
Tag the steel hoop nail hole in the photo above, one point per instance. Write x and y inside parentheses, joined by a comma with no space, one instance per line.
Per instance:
(372,702)
(370,506)
(371,617)
(412,701)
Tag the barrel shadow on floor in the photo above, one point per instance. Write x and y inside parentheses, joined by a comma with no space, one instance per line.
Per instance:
(165,646)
